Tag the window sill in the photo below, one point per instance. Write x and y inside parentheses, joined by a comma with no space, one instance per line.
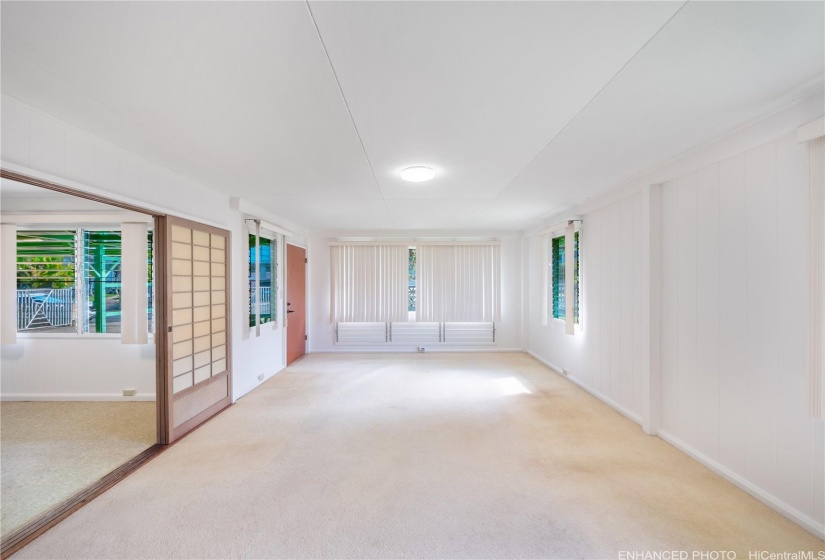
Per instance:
(87,336)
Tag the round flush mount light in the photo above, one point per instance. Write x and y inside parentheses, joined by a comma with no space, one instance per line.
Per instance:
(417,174)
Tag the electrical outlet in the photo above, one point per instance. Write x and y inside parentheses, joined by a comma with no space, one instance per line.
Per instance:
(260,377)
(129,392)
(565,372)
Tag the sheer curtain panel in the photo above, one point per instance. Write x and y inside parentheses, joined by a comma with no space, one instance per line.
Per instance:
(369,283)
(458,283)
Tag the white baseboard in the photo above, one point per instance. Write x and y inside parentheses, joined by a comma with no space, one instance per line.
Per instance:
(766,498)
(242,392)
(76,397)
(407,350)
(607,400)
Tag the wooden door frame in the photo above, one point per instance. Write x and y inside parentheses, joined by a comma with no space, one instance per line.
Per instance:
(44,522)
(160,268)
(286,296)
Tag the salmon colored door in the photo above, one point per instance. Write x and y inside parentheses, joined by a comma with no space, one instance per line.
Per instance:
(296,319)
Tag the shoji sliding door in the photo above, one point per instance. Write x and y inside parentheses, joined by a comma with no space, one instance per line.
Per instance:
(198,377)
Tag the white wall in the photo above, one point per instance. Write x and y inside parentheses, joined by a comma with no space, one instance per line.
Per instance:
(733,312)
(605,354)
(322,333)
(734,322)
(80,368)
(37,144)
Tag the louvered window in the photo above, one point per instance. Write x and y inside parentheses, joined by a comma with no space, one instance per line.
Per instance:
(47,281)
(263,289)
(558,282)
(70,281)
(102,281)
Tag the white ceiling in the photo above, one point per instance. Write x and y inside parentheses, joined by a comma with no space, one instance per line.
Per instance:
(523,108)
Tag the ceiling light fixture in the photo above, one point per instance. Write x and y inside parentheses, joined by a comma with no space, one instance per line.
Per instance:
(417,174)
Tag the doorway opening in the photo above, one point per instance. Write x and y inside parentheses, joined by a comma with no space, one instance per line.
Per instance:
(78,384)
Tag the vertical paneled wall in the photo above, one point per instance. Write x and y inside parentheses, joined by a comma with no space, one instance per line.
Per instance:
(605,355)
(734,322)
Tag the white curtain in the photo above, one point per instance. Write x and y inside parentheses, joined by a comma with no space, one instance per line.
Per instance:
(134,268)
(816,246)
(369,283)
(8,284)
(546,268)
(458,283)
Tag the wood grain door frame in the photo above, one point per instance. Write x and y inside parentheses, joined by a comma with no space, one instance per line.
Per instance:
(160,268)
(165,375)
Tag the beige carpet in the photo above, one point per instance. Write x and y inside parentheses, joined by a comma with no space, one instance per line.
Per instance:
(49,451)
(419,456)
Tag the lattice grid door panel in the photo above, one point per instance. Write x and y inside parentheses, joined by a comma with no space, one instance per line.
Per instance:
(198,306)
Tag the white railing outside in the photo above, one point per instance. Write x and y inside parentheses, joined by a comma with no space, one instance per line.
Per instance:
(266,301)
(45,308)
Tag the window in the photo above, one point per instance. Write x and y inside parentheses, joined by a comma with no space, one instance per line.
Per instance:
(46,281)
(378,296)
(411,283)
(102,278)
(265,288)
(69,281)
(558,282)
(150,274)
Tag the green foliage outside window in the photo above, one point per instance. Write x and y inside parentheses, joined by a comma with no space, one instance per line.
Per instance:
(558,284)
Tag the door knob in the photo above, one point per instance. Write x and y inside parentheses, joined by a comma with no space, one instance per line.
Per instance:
(290,311)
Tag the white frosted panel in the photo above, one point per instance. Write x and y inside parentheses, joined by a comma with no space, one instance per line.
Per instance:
(181,300)
(181,267)
(202,343)
(181,316)
(219,297)
(181,251)
(200,253)
(200,238)
(201,298)
(184,235)
(182,332)
(181,283)
(201,314)
(181,366)
(218,353)
(218,325)
(218,241)
(201,268)
(219,283)
(201,359)
(218,311)
(218,256)
(181,349)
(218,269)
(201,283)
(203,373)
(218,367)
(182,382)
(201,329)
(219,338)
